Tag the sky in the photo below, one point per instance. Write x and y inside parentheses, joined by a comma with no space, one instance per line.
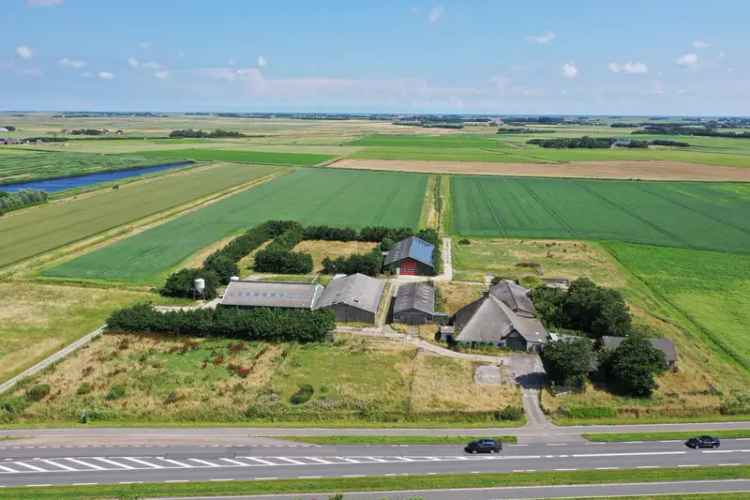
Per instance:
(674,57)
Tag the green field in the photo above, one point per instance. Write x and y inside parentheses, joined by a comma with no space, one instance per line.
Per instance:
(489,147)
(20,165)
(30,232)
(711,290)
(680,214)
(254,157)
(311,196)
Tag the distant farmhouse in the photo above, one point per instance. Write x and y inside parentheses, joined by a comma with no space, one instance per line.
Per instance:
(415,305)
(411,257)
(354,298)
(666,346)
(503,317)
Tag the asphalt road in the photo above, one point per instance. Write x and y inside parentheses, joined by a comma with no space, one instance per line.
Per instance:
(44,465)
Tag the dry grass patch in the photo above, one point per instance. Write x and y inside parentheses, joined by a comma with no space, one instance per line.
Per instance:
(453,295)
(320,249)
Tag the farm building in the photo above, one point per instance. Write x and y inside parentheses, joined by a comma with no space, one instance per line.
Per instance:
(415,305)
(411,256)
(664,345)
(353,298)
(504,317)
(267,294)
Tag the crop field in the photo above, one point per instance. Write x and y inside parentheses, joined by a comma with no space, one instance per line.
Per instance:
(24,166)
(488,147)
(27,233)
(310,196)
(689,215)
(254,157)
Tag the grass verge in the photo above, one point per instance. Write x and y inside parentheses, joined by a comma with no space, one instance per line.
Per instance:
(378,483)
(612,437)
(388,440)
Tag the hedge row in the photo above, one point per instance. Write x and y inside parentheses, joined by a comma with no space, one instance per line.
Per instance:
(20,199)
(277,325)
(375,233)
(278,257)
(370,264)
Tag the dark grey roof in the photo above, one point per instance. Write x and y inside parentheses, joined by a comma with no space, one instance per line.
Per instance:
(417,296)
(664,345)
(356,290)
(490,320)
(514,296)
(270,294)
(411,247)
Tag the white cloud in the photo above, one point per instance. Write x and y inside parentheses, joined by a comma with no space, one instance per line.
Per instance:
(71,63)
(24,52)
(689,60)
(105,75)
(569,70)
(87,74)
(144,45)
(162,75)
(133,62)
(436,13)
(700,44)
(542,39)
(151,65)
(44,3)
(629,68)
(262,62)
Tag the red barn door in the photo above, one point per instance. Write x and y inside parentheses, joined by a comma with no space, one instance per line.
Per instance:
(408,267)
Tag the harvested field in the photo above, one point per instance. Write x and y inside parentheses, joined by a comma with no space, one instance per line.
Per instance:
(646,170)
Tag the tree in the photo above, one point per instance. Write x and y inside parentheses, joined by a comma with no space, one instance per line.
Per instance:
(631,367)
(568,362)
(595,310)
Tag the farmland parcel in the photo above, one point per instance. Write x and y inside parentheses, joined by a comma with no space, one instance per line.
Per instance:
(311,196)
(255,157)
(31,232)
(688,215)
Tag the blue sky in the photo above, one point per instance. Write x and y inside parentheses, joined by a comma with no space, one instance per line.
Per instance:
(687,57)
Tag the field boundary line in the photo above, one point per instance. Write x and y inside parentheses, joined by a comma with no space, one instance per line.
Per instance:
(51,359)
(486,200)
(551,211)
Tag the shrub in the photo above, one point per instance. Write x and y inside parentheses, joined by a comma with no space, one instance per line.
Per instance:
(223,266)
(303,394)
(38,392)
(588,412)
(182,283)
(84,388)
(278,257)
(464,241)
(568,362)
(172,398)
(116,392)
(631,367)
(370,264)
(20,199)
(510,413)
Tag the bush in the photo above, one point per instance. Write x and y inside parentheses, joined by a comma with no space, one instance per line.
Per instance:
(464,241)
(370,264)
(20,199)
(510,413)
(182,283)
(278,257)
(116,392)
(568,362)
(223,266)
(303,394)
(330,233)
(84,388)
(588,412)
(38,392)
(631,367)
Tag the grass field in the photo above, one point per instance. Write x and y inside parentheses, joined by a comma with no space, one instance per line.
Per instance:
(254,157)
(27,233)
(614,437)
(392,440)
(181,380)
(680,214)
(19,166)
(311,196)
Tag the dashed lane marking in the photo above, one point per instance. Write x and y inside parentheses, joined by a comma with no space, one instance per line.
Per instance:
(143,462)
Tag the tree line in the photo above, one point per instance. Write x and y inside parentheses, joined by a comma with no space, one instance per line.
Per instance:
(673,129)
(585,143)
(190,133)
(20,199)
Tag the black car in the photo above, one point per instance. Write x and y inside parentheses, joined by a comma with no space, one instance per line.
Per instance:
(703,442)
(484,446)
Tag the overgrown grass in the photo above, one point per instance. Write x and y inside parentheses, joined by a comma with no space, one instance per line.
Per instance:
(391,440)
(605,437)
(27,166)
(379,483)
(254,157)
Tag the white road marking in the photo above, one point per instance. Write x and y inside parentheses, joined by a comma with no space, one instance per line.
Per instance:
(647,467)
(7,469)
(729,465)
(376,459)
(32,467)
(38,485)
(112,462)
(84,484)
(176,462)
(564,470)
(318,460)
(266,478)
(607,468)
(176,481)
(85,464)
(352,461)
(61,466)
(309,477)
(229,479)
(688,465)
(259,460)
(633,454)
(290,460)
(235,462)
(142,462)
(204,462)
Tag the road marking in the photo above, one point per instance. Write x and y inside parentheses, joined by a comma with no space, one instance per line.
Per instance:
(564,470)
(688,465)
(7,469)
(85,464)
(607,468)
(376,459)
(259,460)
(290,460)
(235,462)
(352,461)
(61,466)
(319,460)
(84,484)
(112,462)
(647,467)
(176,481)
(142,462)
(633,454)
(176,462)
(38,485)
(229,479)
(204,462)
(309,477)
(266,478)
(353,475)
(729,465)
(32,467)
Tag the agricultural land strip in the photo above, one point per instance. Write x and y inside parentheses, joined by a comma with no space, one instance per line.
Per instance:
(254,157)
(678,214)
(311,196)
(27,233)
(647,170)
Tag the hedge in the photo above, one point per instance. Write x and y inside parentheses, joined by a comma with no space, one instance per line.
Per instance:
(278,257)
(370,264)
(20,199)
(280,325)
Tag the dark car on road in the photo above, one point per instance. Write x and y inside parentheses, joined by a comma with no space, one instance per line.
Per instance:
(703,442)
(484,446)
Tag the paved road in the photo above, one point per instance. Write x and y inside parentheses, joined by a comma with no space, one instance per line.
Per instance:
(277,459)
(561,491)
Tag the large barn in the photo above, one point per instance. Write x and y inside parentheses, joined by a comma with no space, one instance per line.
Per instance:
(354,298)
(411,257)
(415,305)
(269,294)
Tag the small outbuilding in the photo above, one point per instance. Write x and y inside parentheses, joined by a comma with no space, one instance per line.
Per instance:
(415,305)
(666,346)
(354,298)
(270,294)
(411,257)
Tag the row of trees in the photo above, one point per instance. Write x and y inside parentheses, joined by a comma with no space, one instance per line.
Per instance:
(630,369)
(370,263)
(200,134)
(585,143)
(703,131)
(274,325)
(20,199)
(278,256)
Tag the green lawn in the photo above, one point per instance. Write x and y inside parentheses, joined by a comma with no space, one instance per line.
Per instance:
(606,437)
(254,157)
(30,232)
(391,440)
(680,214)
(311,196)
(378,483)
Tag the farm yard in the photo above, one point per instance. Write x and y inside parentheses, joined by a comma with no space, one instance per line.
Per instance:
(310,196)
(688,215)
